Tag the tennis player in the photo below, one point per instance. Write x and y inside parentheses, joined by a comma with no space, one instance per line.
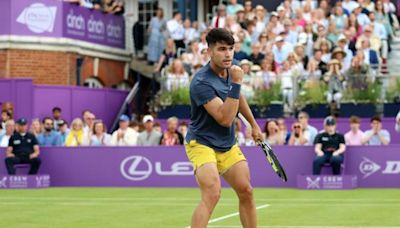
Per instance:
(210,142)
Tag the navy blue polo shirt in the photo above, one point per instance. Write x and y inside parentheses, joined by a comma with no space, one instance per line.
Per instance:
(22,145)
(205,86)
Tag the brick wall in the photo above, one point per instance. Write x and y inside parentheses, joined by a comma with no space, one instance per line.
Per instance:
(55,68)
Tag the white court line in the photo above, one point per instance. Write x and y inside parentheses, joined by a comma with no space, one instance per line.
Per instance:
(94,203)
(234,214)
(369,200)
(313,226)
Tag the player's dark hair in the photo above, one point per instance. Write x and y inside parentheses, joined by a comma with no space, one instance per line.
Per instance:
(219,35)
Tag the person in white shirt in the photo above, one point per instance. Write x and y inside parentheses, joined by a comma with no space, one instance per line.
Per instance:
(397,126)
(218,21)
(349,5)
(124,136)
(9,131)
(176,30)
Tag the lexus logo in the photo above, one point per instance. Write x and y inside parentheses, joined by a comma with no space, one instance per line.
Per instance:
(368,167)
(136,168)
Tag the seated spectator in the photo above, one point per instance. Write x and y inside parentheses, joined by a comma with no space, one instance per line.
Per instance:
(272,133)
(297,136)
(233,7)
(134,125)
(397,125)
(355,135)
(238,53)
(218,21)
(358,74)
(312,72)
(171,136)
(343,44)
(376,135)
(309,131)
(329,147)
(374,42)
(56,117)
(5,115)
(248,77)
(124,136)
(340,55)
(248,138)
(281,50)
(49,137)
(176,76)
(183,128)
(334,80)
(256,56)
(232,25)
(238,132)
(9,131)
(285,134)
(23,148)
(36,127)
(100,137)
(76,136)
(88,120)
(149,137)
(322,66)
(371,57)
(157,127)
(264,78)
(63,130)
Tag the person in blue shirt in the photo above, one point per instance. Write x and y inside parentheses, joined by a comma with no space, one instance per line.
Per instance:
(210,141)
(49,137)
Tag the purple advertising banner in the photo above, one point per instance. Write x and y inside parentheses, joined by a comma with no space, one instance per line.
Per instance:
(326,182)
(49,18)
(169,166)
(36,101)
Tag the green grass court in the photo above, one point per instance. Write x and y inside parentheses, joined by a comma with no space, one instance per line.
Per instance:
(171,207)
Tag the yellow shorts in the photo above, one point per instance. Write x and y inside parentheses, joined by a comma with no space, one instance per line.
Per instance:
(200,154)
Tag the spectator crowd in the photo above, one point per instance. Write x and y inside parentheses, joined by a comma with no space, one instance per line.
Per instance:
(342,44)
(107,6)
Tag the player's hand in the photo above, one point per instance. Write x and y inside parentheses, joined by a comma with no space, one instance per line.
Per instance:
(237,74)
(257,134)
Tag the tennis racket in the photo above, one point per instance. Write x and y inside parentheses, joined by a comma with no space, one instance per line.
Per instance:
(273,160)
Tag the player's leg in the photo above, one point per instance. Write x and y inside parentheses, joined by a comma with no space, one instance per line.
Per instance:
(205,164)
(238,176)
(336,162)
(319,161)
(210,186)
(233,166)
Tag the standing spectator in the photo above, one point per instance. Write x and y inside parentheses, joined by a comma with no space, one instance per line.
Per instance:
(355,135)
(100,137)
(233,7)
(191,34)
(168,55)
(329,147)
(76,136)
(9,131)
(49,137)
(309,131)
(334,78)
(218,21)
(397,125)
(36,127)
(149,137)
(63,130)
(376,135)
(124,136)
(171,136)
(297,137)
(56,117)
(157,40)
(23,148)
(176,30)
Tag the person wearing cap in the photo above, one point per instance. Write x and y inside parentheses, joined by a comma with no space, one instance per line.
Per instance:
(339,54)
(281,50)
(355,135)
(23,148)
(8,132)
(329,148)
(233,7)
(49,137)
(124,135)
(376,135)
(149,137)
